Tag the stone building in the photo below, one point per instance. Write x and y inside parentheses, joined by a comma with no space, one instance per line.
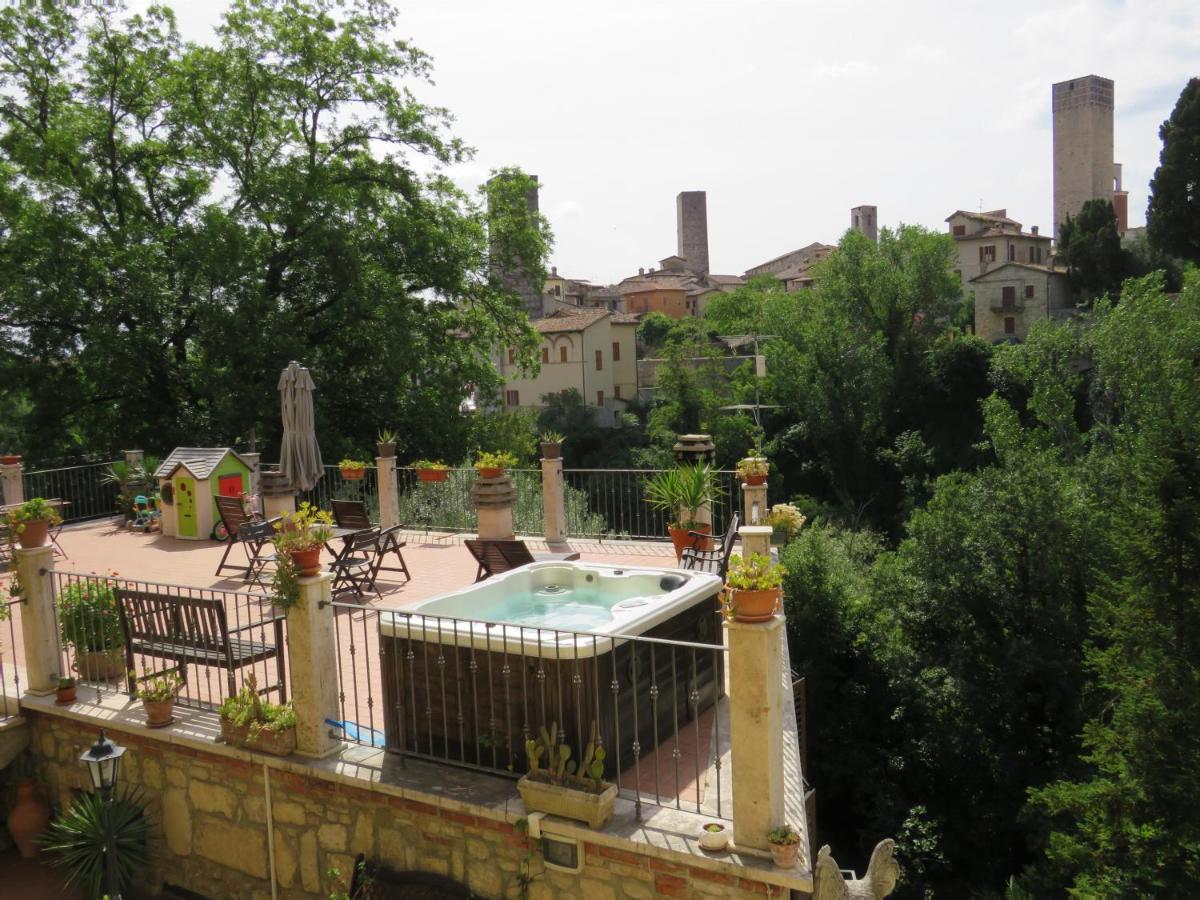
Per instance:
(691,217)
(986,240)
(1083,149)
(865,220)
(1010,297)
(523,282)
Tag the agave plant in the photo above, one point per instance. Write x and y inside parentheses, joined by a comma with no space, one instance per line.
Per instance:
(79,842)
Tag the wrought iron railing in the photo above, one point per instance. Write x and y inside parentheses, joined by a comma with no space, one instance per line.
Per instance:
(83,488)
(110,626)
(469,693)
(333,486)
(10,673)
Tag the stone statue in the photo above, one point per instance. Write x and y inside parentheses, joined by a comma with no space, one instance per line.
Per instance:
(880,880)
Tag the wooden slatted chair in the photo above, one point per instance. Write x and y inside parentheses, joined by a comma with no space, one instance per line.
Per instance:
(353,514)
(495,557)
(233,517)
(715,560)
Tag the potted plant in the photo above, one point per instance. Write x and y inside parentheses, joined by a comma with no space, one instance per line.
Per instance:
(492,465)
(785,520)
(552,443)
(248,721)
(89,623)
(9,459)
(157,693)
(562,787)
(31,522)
(714,836)
(385,443)
(753,587)
(753,470)
(299,537)
(430,470)
(64,694)
(785,844)
(681,493)
(352,469)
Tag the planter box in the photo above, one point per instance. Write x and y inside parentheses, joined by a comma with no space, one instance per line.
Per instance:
(100,665)
(273,743)
(489,472)
(568,802)
(231,734)
(431,475)
(354,474)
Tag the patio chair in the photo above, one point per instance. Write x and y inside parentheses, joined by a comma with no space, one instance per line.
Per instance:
(257,536)
(495,557)
(354,567)
(715,560)
(234,517)
(353,514)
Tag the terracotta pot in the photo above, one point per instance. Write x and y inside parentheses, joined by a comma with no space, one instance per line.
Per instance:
(490,472)
(273,743)
(679,537)
(388,450)
(100,665)
(431,475)
(551,451)
(64,696)
(9,459)
(354,474)
(28,819)
(308,562)
(754,606)
(785,855)
(756,479)
(34,534)
(159,712)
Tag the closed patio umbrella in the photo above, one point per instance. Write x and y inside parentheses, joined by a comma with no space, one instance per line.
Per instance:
(299,455)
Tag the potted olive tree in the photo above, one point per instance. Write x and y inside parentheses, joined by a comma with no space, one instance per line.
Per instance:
(680,494)
(753,588)
(560,786)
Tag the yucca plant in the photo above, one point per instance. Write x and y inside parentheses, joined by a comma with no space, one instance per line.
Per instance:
(681,493)
(79,841)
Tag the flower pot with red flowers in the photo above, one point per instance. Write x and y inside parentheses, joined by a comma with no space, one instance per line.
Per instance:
(753,588)
(785,846)
(430,471)
(352,469)
(681,493)
(31,521)
(157,692)
(64,694)
(492,465)
(753,470)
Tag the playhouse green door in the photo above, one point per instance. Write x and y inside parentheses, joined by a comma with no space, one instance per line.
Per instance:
(185,506)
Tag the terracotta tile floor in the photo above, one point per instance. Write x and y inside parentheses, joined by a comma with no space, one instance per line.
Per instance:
(438,563)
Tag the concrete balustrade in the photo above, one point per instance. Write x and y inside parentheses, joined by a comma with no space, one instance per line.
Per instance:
(389,497)
(493,499)
(554,505)
(754,503)
(11,479)
(312,654)
(39,630)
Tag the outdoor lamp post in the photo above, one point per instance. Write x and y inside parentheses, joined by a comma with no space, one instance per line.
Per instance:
(104,765)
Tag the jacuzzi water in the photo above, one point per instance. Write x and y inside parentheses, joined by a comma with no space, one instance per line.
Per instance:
(581,609)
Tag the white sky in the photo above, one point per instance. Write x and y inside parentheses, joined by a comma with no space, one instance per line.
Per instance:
(787,112)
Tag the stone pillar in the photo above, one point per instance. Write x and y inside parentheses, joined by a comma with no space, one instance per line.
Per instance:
(389,497)
(755,539)
(312,655)
(14,488)
(554,504)
(277,496)
(754,503)
(135,458)
(694,450)
(39,630)
(756,729)
(493,499)
(254,461)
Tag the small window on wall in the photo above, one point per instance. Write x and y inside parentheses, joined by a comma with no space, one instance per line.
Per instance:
(599,398)
(616,392)
(1010,325)
(545,354)
(616,351)
(599,361)
(1029,292)
(562,354)
(1012,253)
(960,230)
(1008,295)
(512,356)
(512,398)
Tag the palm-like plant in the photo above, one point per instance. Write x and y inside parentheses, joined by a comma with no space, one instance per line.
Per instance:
(682,492)
(80,840)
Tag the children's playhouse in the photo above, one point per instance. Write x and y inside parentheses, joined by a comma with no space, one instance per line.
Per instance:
(189,481)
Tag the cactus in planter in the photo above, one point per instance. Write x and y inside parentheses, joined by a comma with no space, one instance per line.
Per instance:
(559,765)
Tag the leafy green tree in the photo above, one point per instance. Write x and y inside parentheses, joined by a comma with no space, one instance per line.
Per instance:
(178,221)
(743,310)
(1091,248)
(1173,213)
(588,444)
(653,329)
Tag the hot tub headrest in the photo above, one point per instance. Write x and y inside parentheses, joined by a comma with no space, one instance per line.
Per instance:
(670,583)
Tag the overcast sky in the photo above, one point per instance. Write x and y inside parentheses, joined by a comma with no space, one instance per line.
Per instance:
(787,112)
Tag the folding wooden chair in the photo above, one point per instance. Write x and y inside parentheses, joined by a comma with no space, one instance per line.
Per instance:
(234,517)
(353,514)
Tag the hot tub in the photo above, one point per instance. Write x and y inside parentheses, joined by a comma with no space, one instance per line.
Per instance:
(470,674)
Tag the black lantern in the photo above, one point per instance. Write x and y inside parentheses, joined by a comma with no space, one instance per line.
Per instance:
(104,763)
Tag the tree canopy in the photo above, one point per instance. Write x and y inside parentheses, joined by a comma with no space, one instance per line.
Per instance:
(179,221)
(1091,248)
(1173,213)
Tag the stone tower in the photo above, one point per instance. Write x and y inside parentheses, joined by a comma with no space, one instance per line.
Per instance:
(691,209)
(1083,144)
(865,219)
(519,281)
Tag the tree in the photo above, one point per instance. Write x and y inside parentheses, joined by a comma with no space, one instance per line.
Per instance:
(653,329)
(178,221)
(1091,248)
(1173,213)
(743,310)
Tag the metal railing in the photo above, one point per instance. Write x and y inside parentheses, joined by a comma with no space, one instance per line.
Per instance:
(10,674)
(447,506)
(109,626)
(333,486)
(469,693)
(616,498)
(83,487)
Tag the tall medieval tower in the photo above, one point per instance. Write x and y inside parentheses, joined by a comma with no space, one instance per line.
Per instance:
(691,209)
(1083,144)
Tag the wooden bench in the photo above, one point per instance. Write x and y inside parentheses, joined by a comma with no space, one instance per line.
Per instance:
(194,630)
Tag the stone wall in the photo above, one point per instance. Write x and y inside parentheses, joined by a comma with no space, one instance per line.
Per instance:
(210,811)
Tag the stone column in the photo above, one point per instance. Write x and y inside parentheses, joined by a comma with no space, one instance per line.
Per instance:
(493,499)
(754,503)
(389,498)
(254,461)
(312,655)
(277,496)
(554,505)
(14,488)
(755,539)
(756,729)
(39,630)
(135,457)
